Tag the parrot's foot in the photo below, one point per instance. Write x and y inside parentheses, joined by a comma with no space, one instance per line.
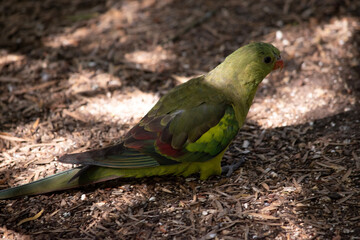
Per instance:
(229,169)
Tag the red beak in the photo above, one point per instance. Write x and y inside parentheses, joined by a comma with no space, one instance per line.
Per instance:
(279,64)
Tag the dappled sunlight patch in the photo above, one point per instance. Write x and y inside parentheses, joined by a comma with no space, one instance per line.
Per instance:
(318,76)
(10,234)
(110,24)
(72,36)
(338,31)
(286,107)
(7,58)
(126,107)
(87,81)
(154,60)
(326,40)
(60,40)
(37,158)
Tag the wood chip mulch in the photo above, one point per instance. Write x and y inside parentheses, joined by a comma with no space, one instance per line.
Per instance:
(76,75)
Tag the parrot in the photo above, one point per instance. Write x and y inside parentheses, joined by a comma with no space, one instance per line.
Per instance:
(186,132)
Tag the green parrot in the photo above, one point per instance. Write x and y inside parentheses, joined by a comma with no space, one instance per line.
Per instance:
(186,132)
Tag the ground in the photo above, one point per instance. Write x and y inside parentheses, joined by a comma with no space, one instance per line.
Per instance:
(76,75)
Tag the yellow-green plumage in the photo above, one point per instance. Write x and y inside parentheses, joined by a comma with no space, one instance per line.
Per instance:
(186,132)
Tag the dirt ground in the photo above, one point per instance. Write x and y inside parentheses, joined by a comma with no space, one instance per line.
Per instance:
(76,75)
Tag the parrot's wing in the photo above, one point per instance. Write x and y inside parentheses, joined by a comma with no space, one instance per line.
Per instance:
(190,124)
(116,156)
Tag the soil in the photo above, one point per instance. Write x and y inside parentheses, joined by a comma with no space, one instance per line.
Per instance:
(76,75)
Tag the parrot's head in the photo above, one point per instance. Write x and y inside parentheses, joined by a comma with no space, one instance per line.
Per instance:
(256,60)
(242,71)
(251,63)
(267,56)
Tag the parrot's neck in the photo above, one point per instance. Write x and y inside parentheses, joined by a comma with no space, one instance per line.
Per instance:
(240,88)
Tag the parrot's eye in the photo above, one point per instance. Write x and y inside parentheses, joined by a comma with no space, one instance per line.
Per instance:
(267,60)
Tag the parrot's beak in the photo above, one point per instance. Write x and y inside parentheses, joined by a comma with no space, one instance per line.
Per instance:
(279,63)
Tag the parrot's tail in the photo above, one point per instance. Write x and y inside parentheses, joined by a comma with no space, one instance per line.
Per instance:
(52,183)
(72,178)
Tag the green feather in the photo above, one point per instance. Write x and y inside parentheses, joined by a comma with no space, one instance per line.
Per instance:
(218,137)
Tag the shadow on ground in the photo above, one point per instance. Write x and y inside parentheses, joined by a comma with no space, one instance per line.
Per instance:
(59,60)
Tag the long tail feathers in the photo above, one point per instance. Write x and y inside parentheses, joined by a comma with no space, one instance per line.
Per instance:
(64,180)
(55,182)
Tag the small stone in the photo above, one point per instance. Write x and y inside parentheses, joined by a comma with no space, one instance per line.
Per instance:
(273,174)
(91,64)
(211,236)
(285,42)
(83,197)
(45,77)
(246,144)
(152,199)
(66,214)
